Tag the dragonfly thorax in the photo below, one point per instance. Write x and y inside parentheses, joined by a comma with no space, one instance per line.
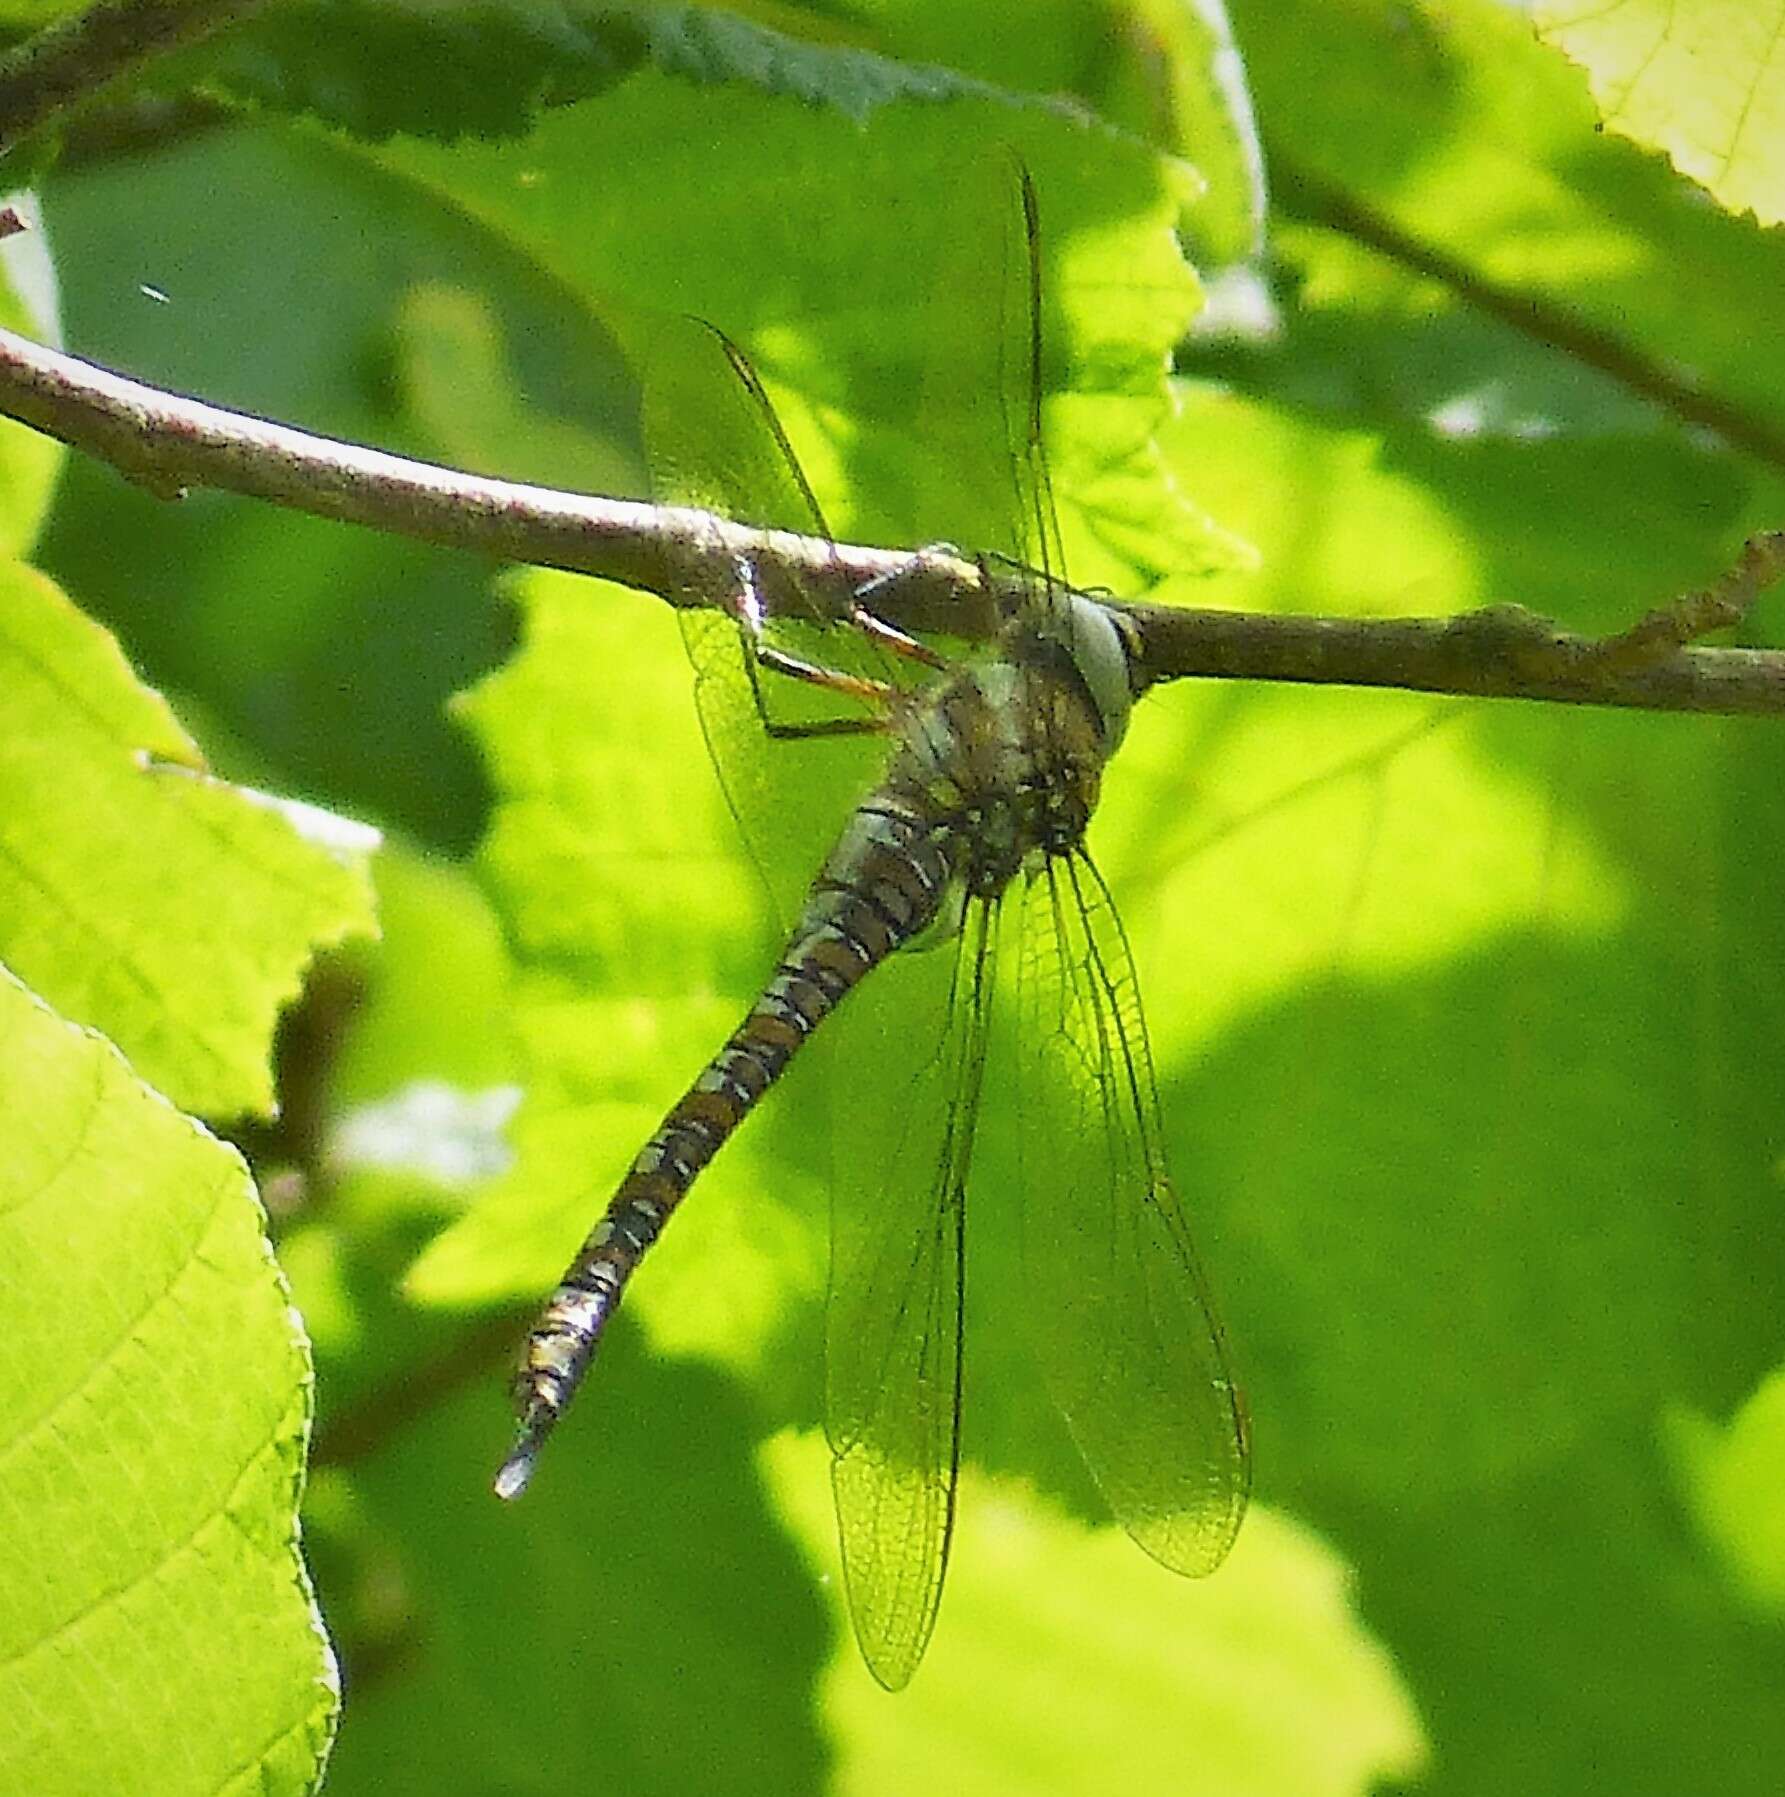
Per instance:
(1005,759)
(1001,833)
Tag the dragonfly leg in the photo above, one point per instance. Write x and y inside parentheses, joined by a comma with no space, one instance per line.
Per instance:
(891,637)
(780,732)
(888,635)
(878,695)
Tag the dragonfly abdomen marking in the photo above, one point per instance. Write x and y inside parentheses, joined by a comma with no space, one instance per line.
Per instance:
(882,885)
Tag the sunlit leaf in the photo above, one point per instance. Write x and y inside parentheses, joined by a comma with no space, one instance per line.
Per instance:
(1702,80)
(1129,1678)
(1469,976)
(154,1413)
(139,894)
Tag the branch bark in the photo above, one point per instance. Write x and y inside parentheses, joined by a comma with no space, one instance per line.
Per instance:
(169,443)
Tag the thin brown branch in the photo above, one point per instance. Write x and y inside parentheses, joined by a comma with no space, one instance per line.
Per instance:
(1499,652)
(169,443)
(1532,314)
(71,61)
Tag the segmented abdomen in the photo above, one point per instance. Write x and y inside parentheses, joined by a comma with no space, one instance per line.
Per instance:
(882,885)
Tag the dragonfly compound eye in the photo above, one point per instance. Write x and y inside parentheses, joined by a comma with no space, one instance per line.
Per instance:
(1100,657)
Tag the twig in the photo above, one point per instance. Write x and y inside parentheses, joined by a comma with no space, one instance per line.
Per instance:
(1499,652)
(1531,313)
(72,61)
(168,443)
(1718,607)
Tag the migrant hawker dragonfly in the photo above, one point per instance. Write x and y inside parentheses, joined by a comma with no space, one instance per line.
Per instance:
(970,846)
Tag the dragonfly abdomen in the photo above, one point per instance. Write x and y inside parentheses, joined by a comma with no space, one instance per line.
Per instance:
(881,885)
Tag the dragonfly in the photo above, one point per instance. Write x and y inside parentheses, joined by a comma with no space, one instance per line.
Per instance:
(968,852)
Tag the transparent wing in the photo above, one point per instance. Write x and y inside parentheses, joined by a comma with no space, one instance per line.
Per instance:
(713,440)
(986,432)
(893,1360)
(1126,1335)
(1039,546)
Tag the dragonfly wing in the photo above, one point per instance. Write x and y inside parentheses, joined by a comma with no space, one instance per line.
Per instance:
(893,1360)
(768,786)
(714,441)
(1037,529)
(894,1476)
(1126,1334)
(982,434)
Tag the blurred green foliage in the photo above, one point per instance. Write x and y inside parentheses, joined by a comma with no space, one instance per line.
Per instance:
(1467,1017)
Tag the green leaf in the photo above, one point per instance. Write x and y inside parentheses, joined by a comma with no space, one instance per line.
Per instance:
(1464,1012)
(138,893)
(154,1412)
(1700,80)
(377,68)
(1388,891)
(1130,1679)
